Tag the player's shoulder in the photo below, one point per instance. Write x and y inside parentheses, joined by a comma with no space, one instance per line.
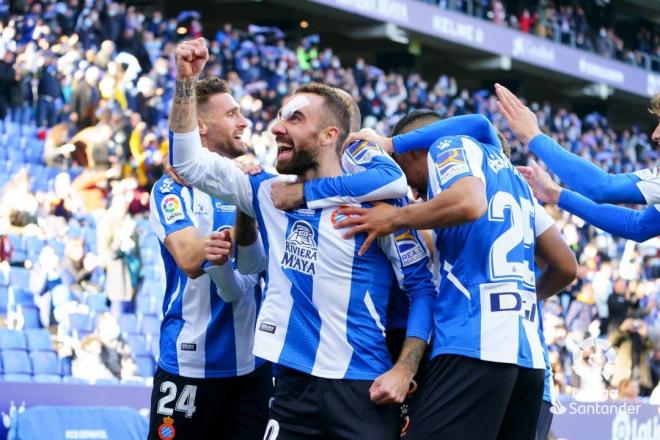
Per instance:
(258,179)
(648,174)
(362,151)
(166,185)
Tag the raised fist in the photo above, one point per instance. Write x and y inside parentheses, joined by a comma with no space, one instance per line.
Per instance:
(191,56)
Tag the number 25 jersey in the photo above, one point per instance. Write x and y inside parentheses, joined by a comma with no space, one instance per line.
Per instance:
(486,306)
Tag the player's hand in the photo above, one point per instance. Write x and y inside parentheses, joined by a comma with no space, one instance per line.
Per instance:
(522,121)
(190,58)
(248,164)
(541,183)
(376,222)
(367,134)
(391,387)
(217,247)
(169,169)
(287,195)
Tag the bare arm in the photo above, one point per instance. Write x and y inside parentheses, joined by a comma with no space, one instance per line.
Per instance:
(561,265)
(190,58)
(393,386)
(187,248)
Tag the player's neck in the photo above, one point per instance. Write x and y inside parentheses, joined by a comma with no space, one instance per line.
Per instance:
(327,167)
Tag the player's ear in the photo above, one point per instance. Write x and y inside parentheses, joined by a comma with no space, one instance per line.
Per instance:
(203,128)
(329,136)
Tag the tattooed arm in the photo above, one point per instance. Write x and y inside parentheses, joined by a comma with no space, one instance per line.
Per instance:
(393,386)
(191,56)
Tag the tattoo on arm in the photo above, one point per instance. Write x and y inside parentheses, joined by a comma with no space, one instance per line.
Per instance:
(412,353)
(183,114)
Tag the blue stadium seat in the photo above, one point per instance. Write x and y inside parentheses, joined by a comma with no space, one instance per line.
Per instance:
(38,339)
(147,304)
(23,296)
(58,246)
(12,340)
(47,378)
(138,344)
(128,323)
(34,245)
(16,361)
(18,257)
(77,380)
(31,316)
(81,322)
(97,302)
(44,362)
(19,277)
(4,297)
(146,365)
(16,241)
(20,377)
(108,381)
(150,325)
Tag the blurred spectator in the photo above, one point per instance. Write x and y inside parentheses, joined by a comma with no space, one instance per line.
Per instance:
(85,98)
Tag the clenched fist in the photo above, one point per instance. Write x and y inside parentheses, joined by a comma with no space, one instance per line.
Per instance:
(191,57)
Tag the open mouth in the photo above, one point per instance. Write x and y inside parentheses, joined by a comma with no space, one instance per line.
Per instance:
(284,150)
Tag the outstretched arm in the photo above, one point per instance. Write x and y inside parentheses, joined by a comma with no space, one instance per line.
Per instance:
(577,173)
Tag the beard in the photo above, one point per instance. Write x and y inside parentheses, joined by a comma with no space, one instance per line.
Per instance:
(299,164)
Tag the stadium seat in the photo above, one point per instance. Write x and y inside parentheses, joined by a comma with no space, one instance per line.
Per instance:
(12,340)
(19,277)
(4,297)
(47,378)
(128,323)
(138,344)
(23,296)
(146,365)
(30,316)
(150,325)
(34,245)
(81,322)
(147,304)
(107,381)
(44,362)
(16,241)
(38,339)
(75,380)
(16,361)
(20,377)
(97,302)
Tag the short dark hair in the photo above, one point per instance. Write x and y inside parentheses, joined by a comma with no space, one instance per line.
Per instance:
(353,109)
(414,120)
(208,87)
(335,111)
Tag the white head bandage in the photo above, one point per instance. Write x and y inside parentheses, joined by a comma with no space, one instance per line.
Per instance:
(295,104)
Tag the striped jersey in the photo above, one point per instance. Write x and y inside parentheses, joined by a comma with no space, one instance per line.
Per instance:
(648,182)
(487,307)
(201,335)
(325,307)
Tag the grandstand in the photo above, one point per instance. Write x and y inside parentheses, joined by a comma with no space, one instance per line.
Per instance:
(81,276)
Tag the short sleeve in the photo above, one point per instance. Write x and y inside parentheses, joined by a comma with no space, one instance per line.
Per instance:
(169,210)
(456,157)
(542,220)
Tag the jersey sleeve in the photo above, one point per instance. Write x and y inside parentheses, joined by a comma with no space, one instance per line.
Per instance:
(210,172)
(622,222)
(169,208)
(475,126)
(410,260)
(584,177)
(371,174)
(648,183)
(251,259)
(452,158)
(542,220)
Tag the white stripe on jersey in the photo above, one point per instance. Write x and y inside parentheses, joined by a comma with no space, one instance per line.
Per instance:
(475,158)
(455,281)
(500,331)
(334,353)
(372,311)
(278,302)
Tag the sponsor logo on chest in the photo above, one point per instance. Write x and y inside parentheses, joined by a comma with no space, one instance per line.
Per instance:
(301,249)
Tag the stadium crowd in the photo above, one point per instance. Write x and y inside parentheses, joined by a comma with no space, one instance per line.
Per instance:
(585,25)
(87,85)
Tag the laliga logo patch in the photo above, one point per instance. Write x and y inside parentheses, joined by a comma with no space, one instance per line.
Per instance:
(166,430)
(172,209)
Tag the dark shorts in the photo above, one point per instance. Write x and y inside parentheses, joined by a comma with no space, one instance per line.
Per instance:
(464,398)
(222,408)
(308,407)
(545,421)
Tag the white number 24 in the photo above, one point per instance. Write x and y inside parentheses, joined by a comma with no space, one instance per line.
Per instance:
(520,232)
(185,403)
